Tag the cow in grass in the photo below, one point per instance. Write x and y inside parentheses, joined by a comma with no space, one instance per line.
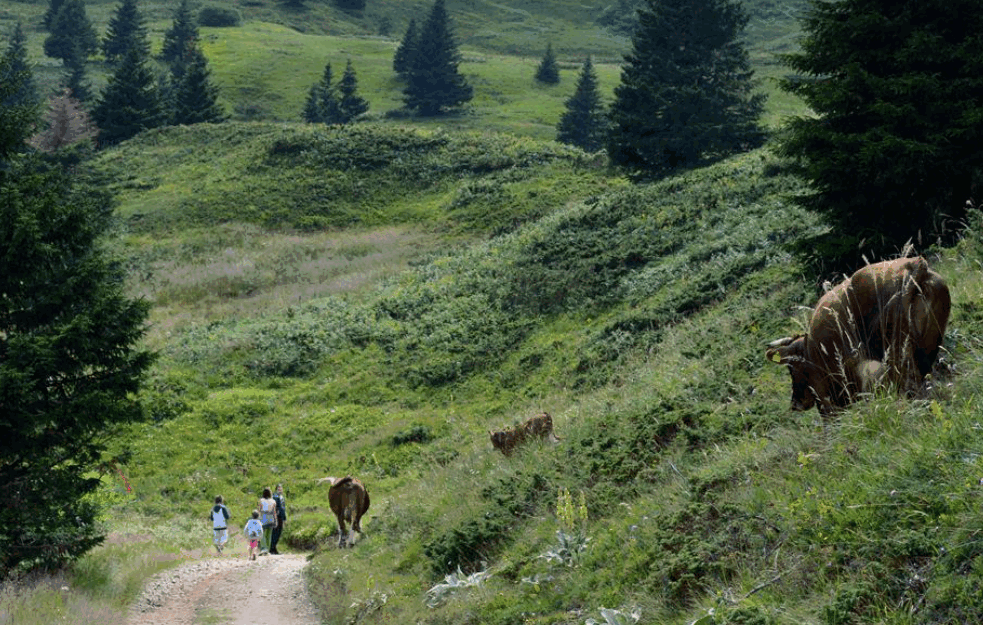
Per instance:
(885,323)
(540,426)
(349,501)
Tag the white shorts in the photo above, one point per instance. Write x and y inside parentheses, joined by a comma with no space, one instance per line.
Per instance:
(221,537)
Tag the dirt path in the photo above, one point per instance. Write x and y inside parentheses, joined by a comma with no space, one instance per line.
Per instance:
(228,590)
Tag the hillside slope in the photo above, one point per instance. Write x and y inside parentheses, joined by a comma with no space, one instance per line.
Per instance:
(636,315)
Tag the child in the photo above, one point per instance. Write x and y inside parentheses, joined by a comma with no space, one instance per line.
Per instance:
(253,532)
(220,518)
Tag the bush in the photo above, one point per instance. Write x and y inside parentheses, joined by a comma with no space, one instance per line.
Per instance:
(219,16)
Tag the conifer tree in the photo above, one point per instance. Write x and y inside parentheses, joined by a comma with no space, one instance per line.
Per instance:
(402,60)
(126,29)
(182,32)
(433,81)
(72,36)
(131,101)
(49,15)
(16,53)
(67,123)
(75,80)
(685,95)
(548,71)
(584,123)
(19,118)
(894,148)
(351,105)
(196,97)
(322,105)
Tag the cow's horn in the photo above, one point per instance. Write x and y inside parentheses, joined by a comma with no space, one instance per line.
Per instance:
(782,342)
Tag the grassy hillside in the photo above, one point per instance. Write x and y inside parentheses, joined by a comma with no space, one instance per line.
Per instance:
(519,277)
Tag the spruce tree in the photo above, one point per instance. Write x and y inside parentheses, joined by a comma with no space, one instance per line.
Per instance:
(72,35)
(126,29)
(131,101)
(402,60)
(548,71)
(70,365)
(182,32)
(75,80)
(584,123)
(49,15)
(351,105)
(322,105)
(16,53)
(196,97)
(685,95)
(893,151)
(19,118)
(433,81)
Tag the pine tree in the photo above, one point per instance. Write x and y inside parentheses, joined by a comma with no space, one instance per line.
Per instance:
(433,81)
(196,97)
(19,118)
(351,104)
(75,80)
(183,31)
(322,105)
(894,149)
(126,29)
(72,35)
(131,101)
(67,123)
(16,53)
(70,365)
(685,95)
(403,59)
(548,71)
(49,16)
(584,123)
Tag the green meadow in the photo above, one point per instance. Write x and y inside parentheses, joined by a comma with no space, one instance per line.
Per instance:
(373,299)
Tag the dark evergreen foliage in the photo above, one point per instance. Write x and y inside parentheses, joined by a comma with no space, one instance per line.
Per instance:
(18,68)
(402,60)
(196,96)
(548,71)
(685,96)
(18,115)
(182,32)
(126,29)
(69,366)
(351,105)
(894,151)
(433,81)
(76,81)
(584,122)
(72,36)
(350,5)
(131,101)
(322,106)
(49,15)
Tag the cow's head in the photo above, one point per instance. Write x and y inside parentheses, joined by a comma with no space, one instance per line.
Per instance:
(791,352)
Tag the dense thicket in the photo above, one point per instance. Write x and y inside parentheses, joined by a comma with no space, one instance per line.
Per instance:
(685,95)
(434,83)
(893,152)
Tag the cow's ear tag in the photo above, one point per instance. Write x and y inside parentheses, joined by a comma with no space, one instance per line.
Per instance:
(776,357)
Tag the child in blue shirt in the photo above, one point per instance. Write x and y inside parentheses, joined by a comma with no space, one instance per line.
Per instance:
(254,532)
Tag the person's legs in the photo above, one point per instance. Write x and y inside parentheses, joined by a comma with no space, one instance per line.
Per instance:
(264,546)
(275,539)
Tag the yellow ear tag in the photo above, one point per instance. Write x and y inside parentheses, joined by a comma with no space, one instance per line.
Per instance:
(776,357)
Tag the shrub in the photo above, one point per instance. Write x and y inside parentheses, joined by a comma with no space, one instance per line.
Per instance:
(219,16)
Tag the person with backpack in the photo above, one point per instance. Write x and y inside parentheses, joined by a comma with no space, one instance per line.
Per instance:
(220,523)
(281,517)
(254,533)
(267,510)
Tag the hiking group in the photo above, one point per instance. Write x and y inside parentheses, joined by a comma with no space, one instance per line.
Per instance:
(262,530)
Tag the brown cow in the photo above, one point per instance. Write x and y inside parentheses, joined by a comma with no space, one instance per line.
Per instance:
(540,426)
(884,323)
(349,501)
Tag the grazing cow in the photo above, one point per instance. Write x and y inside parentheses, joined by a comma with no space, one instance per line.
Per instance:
(349,501)
(884,323)
(540,426)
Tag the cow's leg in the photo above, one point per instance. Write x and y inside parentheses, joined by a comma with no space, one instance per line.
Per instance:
(341,531)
